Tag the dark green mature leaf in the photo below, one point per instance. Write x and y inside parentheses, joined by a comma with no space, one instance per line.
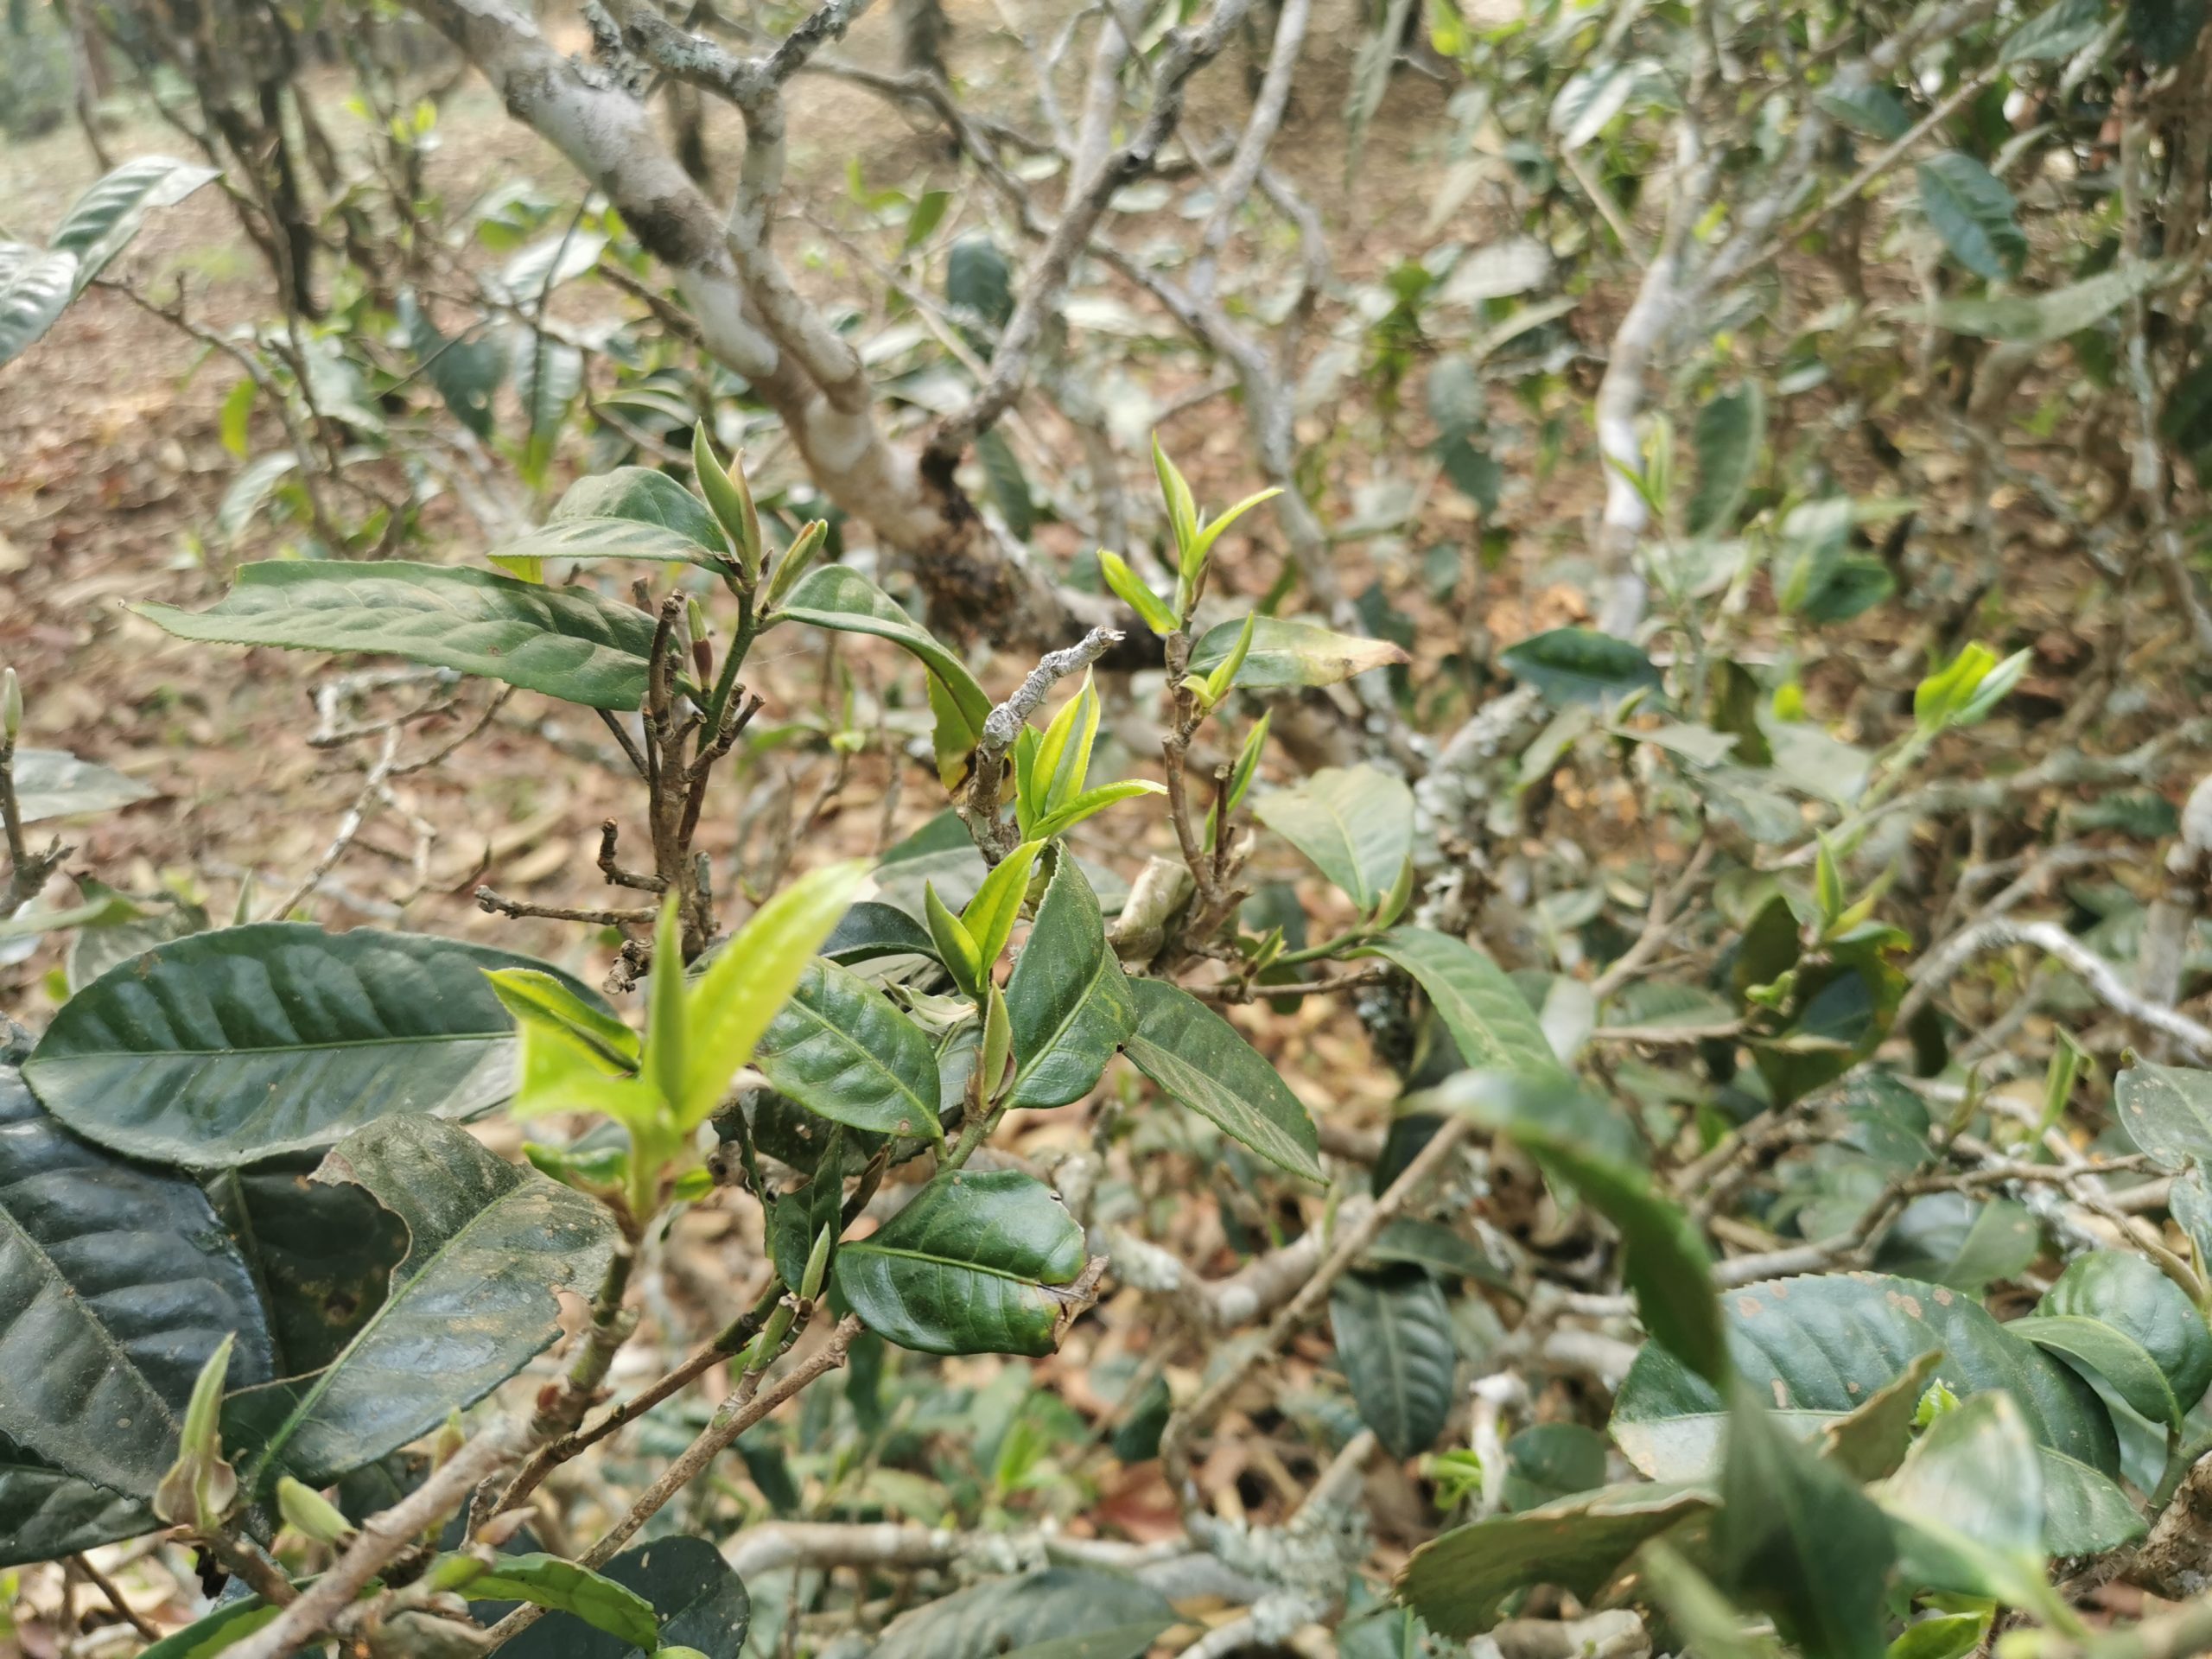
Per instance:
(1797,1537)
(1203,1061)
(796,1218)
(1710,1625)
(2167,1111)
(2097,1350)
(1730,432)
(977,278)
(969,1267)
(2039,319)
(1820,1345)
(2164,30)
(1432,1245)
(1546,1462)
(1870,1441)
(1355,823)
(232,1621)
(1486,1015)
(488,1244)
(1130,1641)
(1540,1108)
(639,495)
(1068,999)
(836,596)
(548,373)
(52,784)
(1872,111)
(2058,31)
(566,642)
(1453,392)
(1007,483)
(35,285)
(100,222)
(224,1047)
(1948,1238)
(553,1582)
(46,1514)
(598,538)
(701,1602)
(1285,655)
(1456,1582)
(839,1049)
(467,371)
(97,948)
(1664,1259)
(2084,1513)
(322,1256)
(116,1285)
(872,929)
(1007,1616)
(1394,1341)
(2128,1294)
(1570,665)
(1972,212)
(1969,1502)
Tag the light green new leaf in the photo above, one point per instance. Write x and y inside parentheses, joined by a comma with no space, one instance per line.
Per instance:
(1285,655)
(566,642)
(571,1065)
(1130,588)
(1355,823)
(729,498)
(1063,758)
(1091,803)
(971,1266)
(750,979)
(991,914)
(1204,1063)
(956,946)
